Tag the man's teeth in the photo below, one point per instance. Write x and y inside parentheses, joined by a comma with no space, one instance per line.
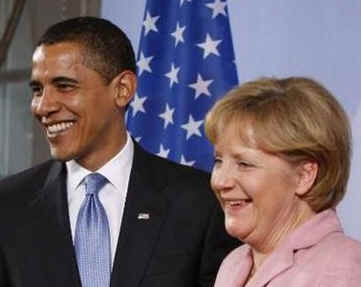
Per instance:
(59,127)
(240,202)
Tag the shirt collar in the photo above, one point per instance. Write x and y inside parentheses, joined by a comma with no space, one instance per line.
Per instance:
(120,164)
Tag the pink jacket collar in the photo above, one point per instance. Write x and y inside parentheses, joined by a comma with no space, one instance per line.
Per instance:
(306,235)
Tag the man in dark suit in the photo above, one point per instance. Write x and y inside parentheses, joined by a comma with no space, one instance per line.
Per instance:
(163,224)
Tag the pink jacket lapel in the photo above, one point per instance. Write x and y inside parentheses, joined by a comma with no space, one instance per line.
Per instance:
(237,265)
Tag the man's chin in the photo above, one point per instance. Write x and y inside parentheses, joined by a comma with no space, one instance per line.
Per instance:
(60,156)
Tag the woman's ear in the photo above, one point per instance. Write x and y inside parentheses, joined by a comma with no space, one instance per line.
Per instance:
(307,173)
(125,85)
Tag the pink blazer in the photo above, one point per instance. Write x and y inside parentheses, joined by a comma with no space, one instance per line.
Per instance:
(317,254)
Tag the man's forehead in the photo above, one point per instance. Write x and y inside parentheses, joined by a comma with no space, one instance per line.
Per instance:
(39,54)
(57,56)
(59,51)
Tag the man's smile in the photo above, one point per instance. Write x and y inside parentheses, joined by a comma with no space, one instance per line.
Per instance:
(53,130)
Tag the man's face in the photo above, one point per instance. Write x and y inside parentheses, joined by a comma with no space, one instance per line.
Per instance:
(75,106)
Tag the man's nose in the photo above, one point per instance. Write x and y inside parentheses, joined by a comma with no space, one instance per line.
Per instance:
(45,104)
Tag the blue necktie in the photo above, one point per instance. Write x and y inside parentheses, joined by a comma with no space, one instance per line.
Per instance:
(92,239)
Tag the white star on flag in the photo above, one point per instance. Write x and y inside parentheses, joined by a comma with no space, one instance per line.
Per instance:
(138,104)
(184,162)
(144,64)
(218,7)
(178,34)
(209,46)
(173,75)
(201,86)
(185,64)
(192,127)
(163,152)
(182,1)
(149,23)
(167,116)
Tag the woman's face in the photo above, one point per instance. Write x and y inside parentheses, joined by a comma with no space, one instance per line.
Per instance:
(257,190)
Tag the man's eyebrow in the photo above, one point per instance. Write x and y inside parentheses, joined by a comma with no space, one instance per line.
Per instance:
(33,83)
(64,79)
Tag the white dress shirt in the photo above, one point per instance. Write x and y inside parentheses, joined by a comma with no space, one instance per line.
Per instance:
(112,195)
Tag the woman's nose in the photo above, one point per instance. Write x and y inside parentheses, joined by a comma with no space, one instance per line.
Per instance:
(222,178)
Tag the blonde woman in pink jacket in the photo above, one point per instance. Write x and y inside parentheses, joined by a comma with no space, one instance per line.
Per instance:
(282,161)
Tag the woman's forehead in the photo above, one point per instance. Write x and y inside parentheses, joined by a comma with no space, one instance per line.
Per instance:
(243,130)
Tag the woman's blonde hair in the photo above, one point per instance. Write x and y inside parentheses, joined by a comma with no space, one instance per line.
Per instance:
(298,119)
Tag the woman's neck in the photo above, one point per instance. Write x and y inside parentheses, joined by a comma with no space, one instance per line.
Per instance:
(297,217)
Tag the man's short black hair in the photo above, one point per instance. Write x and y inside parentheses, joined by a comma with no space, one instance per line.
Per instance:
(107,49)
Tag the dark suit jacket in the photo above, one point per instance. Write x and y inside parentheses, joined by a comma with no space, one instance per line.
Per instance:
(181,244)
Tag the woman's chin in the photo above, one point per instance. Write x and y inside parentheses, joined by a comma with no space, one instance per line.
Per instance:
(237,229)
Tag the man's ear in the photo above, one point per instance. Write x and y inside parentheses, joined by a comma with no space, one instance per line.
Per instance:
(125,85)
(307,173)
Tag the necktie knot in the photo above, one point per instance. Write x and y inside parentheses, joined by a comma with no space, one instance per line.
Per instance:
(93,183)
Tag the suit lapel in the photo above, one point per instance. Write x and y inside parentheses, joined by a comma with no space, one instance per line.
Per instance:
(145,211)
(50,246)
(55,197)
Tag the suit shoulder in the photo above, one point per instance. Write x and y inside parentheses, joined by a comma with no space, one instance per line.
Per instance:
(175,179)
(27,179)
(344,249)
(163,168)
(344,257)
(184,172)
(177,173)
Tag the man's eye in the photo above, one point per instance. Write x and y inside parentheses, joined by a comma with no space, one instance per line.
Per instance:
(36,91)
(65,87)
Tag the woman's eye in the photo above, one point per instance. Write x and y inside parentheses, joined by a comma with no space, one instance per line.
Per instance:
(216,161)
(244,164)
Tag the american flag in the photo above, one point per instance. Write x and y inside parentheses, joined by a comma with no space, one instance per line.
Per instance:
(185,62)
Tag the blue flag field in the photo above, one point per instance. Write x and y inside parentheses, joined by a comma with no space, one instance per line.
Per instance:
(185,63)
